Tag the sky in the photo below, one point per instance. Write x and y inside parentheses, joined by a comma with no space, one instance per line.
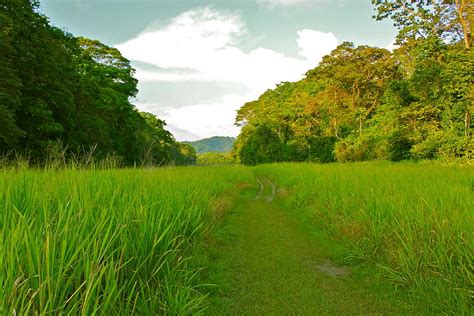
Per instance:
(199,61)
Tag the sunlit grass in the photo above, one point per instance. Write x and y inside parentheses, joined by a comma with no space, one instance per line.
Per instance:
(415,221)
(105,241)
(119,241)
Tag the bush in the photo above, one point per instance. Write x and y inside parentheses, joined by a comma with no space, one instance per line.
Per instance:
(399,147)
(322,149)
(296,150)
(361,148)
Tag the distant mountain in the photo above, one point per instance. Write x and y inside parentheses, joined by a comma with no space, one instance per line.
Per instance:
(213,144)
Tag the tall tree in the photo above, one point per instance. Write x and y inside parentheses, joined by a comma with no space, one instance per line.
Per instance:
(360,75)
(451,20)
(56,89)
(10,84)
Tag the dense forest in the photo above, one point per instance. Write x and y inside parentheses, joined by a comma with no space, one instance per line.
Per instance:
(367,103)
(69,96)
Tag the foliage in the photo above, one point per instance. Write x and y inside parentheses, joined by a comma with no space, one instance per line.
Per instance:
(116,242)
(215,158)
(399,147)
(263,146)
(414,221)
(322,149)
(213,144)
(184,154)
(415,102)
(58,89)
(450,20)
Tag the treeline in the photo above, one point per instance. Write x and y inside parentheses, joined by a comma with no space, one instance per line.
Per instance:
(215,158)
(59,91)
(366,103)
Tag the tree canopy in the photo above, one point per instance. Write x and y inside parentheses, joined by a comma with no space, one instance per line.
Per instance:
(60,90)
(366,103)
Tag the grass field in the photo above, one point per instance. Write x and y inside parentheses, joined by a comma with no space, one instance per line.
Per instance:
(105,241)
(120,241)
(415,222)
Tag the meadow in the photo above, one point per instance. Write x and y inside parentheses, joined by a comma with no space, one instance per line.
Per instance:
(414,222)
(106,241)
(121,241)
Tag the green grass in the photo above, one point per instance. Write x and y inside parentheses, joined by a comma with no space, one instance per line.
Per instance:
(266,263)
(415,222)
(143,241)
(106,241)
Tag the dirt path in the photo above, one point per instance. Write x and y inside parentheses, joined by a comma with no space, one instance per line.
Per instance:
(270,264)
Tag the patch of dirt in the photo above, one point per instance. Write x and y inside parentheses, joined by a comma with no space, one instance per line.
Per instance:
(219,207)
(283,192)
(335,271)
(242,185)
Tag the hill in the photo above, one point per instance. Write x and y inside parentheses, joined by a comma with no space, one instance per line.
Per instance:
(216,143)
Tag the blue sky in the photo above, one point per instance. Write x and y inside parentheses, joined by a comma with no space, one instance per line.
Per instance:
(198,61)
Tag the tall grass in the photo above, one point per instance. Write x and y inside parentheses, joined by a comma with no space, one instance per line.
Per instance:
(415,221)
(109,241)
(105,241)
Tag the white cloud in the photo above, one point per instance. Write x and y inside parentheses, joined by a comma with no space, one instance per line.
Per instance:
(190,40)
(202,45)
(204,40)
(392,46)
(315,45)
(204,120)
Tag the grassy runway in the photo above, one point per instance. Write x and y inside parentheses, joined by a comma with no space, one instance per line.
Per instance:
(272,264)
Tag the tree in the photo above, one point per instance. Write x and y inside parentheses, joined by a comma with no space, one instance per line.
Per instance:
(184,155)
(450,20)
(10,84)
(262,146)
(158,142)
(215,158)
(58,90)
(355,78)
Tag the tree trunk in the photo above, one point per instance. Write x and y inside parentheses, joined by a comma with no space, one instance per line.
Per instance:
(465,7)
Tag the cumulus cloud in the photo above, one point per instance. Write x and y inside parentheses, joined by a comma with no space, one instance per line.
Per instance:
(204,120)
(315,45)
(202,45)
(203,41)
(186,41)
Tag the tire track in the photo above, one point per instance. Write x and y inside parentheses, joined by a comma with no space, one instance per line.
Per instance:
(262,187)
(271,197)
(264,181)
